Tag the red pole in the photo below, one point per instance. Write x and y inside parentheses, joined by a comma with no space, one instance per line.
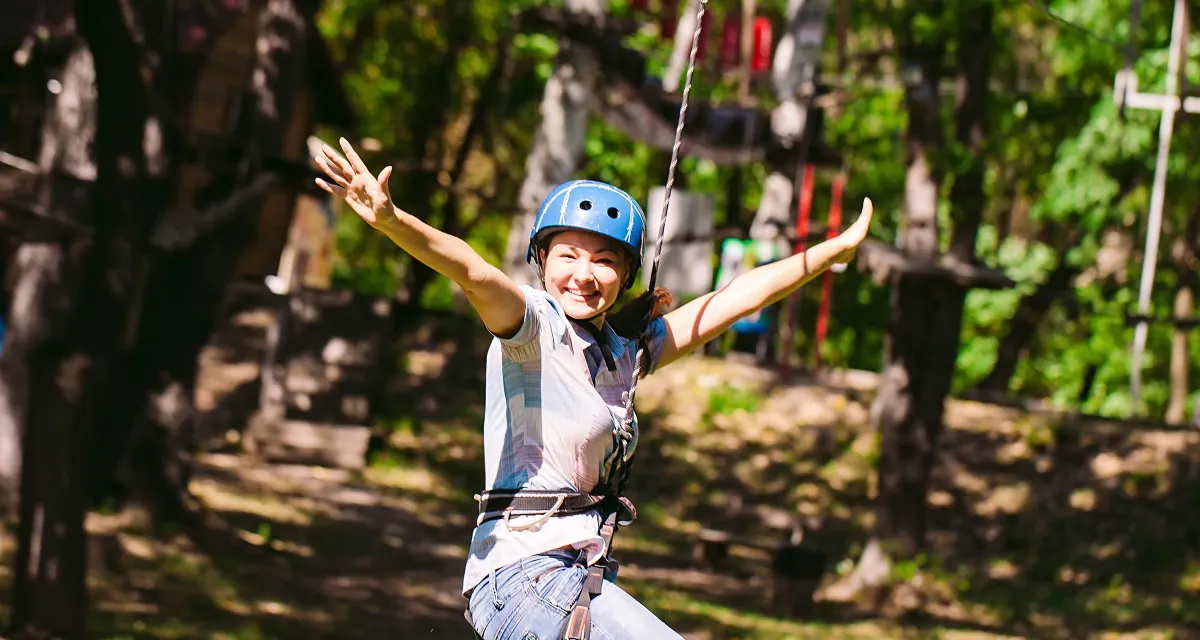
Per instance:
(789,311)
(731,35)
(763,43)
(668,18)
(804,209)
(835,223)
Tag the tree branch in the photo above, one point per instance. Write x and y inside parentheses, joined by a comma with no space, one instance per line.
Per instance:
(364,30)
(179,230)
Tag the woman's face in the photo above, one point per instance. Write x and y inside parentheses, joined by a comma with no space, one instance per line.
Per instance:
(584,272)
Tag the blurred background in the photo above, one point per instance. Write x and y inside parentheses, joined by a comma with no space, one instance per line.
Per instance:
(229,409)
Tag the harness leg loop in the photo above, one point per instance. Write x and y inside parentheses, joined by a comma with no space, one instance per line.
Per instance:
(579,624)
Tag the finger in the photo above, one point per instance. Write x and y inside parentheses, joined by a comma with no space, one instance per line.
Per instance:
(868,211)
(383,181)
(334,174)
(337,191)
(862,224)
(337,161)
(352,156)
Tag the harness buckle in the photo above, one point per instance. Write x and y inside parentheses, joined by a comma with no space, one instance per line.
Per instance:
(626,512)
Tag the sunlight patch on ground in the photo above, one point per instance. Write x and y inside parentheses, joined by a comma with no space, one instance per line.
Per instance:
(432,593)
(1190,580)
(413,479)
(1004,499)
(221,498)
(427,512)
(631,540)
(282,546)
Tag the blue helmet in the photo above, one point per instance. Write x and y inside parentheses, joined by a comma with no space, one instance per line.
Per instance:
(592,206)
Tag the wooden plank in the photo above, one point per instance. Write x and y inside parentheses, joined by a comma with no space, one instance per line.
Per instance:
(261,258)
(881,260)
(298,442)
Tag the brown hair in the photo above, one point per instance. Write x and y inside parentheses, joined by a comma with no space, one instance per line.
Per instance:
(633,319)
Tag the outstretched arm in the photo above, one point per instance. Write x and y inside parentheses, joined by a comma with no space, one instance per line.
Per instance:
(708,316)
(495,297)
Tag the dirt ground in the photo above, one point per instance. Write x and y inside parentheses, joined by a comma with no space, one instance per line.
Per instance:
(1040,527)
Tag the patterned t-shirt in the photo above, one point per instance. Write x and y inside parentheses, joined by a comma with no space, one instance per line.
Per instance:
(550,410)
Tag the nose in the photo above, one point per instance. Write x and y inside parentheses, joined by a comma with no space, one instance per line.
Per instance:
(583,271)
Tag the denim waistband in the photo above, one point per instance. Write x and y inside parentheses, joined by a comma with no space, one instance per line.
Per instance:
(567,555)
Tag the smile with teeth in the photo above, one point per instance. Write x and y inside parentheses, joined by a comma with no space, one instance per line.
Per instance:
(583,296)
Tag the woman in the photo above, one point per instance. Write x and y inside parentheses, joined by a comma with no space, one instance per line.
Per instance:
(557,370)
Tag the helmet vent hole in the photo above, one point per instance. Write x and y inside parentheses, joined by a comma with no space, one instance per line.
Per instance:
(613,213)
(586,205)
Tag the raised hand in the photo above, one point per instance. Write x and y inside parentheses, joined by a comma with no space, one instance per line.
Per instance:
(853,236)
(366,194)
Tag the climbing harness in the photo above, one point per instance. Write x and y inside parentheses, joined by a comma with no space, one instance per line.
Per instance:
(609,497)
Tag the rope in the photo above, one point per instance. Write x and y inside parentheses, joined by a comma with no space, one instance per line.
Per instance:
(640,361)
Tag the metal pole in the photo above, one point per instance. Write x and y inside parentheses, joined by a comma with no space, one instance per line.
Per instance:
(1157,198)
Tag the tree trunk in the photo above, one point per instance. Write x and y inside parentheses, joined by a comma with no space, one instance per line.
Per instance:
(908,419)
(682,49)
(908,406)
(926,321)
(41,291)
(68,371)
(558,143)
(1186,255)
(187,288)
(49,595)
(1185,305)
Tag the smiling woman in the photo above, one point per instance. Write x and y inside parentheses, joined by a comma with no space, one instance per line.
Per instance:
(559,371)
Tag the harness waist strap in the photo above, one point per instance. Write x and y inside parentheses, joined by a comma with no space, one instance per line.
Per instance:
(500,503)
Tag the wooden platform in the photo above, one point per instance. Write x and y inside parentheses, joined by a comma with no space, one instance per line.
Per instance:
(295,377)
(298,442)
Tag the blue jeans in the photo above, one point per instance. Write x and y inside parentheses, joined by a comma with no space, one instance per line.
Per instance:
(531,599)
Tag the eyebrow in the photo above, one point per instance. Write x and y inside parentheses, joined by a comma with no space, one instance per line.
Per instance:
(575,249)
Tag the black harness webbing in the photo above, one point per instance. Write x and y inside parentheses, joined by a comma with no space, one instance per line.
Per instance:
(615,509)
(511,503)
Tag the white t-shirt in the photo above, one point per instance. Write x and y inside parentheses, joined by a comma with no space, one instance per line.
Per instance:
(550,410)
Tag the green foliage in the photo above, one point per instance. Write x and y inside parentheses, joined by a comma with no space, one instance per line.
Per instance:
(1075,164)
(1065,170)
(988,312)
(400,83)
(727,400)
